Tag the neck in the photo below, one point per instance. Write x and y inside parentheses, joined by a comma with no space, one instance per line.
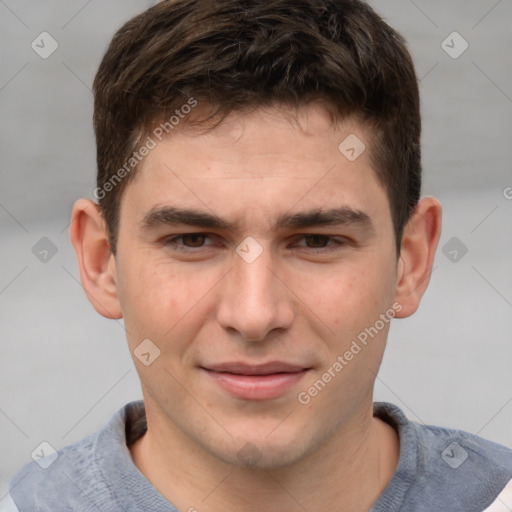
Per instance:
(347,473)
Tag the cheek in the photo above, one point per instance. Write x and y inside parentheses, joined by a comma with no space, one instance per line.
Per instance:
(161,301)
(351,305)
(347,298)
(147,294)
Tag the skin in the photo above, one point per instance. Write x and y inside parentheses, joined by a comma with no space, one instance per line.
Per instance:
(303,300)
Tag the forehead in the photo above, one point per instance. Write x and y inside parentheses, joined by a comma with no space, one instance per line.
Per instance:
(277,131)
(269,160)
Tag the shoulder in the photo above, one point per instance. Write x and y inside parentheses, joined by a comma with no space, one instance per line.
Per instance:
(74,475)
(476,472)
(449,469)
(462,454)
(71,471)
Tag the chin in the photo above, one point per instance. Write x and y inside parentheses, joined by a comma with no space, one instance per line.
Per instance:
(265,454)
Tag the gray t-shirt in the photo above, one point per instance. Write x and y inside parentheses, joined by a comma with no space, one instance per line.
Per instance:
(439,470)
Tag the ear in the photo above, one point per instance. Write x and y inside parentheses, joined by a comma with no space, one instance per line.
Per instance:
(96,262)
(419,244)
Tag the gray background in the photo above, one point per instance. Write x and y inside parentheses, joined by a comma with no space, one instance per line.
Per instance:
(64,370)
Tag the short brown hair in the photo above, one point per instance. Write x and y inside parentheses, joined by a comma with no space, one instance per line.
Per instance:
(235,55)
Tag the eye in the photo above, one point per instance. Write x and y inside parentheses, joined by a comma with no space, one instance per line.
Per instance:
(193,239)
(188,241)
(323,243)
(316,241)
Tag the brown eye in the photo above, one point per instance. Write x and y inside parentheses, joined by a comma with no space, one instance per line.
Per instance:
(193,240)
(188,242)
(316,241)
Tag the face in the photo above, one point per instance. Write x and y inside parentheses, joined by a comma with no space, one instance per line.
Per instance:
(261,262)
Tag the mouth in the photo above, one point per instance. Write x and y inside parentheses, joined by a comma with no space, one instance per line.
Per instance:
(256,382)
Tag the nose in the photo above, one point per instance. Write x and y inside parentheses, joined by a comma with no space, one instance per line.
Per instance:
(254,301)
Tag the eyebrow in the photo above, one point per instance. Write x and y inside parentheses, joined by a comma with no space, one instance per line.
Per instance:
(171,216)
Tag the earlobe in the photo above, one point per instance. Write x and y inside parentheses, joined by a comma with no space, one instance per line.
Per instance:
(419,244)
(96,262)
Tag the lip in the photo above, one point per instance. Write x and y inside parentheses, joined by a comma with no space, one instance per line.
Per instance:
(256,382)
(240,368)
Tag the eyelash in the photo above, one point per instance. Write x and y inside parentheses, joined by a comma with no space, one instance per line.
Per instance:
(337,243)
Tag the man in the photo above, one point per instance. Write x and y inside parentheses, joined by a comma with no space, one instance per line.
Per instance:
(259,225)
